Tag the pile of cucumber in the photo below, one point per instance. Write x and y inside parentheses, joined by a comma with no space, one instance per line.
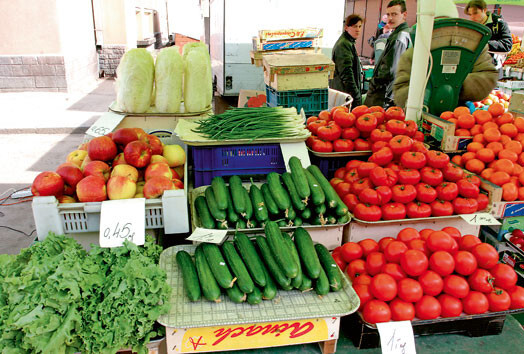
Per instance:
(290,199)
(252,271)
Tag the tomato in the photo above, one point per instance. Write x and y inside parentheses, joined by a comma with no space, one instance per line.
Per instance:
(402,310)
(339,260)
(411,128)
(419,245)
(351,251)
(475,303)
(486,255)
(343,188)
(356,268)
(431,282)
(499,300)
(363,293)
(394,270)
(366,122)
(418,210)
(360,185)
(451,306)
(424,233)
(400,144)
(437,159)
(376,311)
(396,127)
(380,135)
(369,196)
(395,167)
(482,201)
(456,286)
(505,276)
(418,145)
(344,119)
(415,160)
(382,157)
(322,146)
(408,176)
(441,208)
(395,112)
(365,168)
(313,126)
(377,109)
(384,193)
(442,262)
(414,262)
(407,234)
(453,232)
(452,172)
(383,177)
(426,193)
(329,132)
(340,172)
(342,145)
(350,133)
(467,242)
(403,193)
(383,287)
(467,189)
(518,242)
(311,119)
(465,205)
(473,179)
(517,297)
(439,241)
(431,176)
(447,191)
(363,279)
(393,211)
(368,245)
(377,145)
(351,201)
(409,290)
(384,241)
(465,262)
(374,263)
(367,212)
(394,250)
(360,110)
(481,280)
(334,181)
(380,117)
(427,308)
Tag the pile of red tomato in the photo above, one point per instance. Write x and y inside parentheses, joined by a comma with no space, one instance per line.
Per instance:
(428,274)
(341,131)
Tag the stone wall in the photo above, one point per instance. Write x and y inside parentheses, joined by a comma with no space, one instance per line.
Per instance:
(108,59)
(32,73)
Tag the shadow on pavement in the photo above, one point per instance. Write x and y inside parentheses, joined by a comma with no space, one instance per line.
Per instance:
(97,100)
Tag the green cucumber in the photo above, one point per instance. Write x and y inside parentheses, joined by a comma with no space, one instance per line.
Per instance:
(270,290)
(307,284)
(281,223)
(219,215)
(296,281)
(291,214)
(341,208)
(270,203)
(232,215)
(343,219)
(244,281)
(203,213)
(293,195)
(288,287)
(330,266)
(240,225)
(189,275)
(278,192)
(235,294)
(317,194)
(299,178)
(281,252)
(330,194)
(306,214)
(249,206)
(210,288)
(297,221)
(255,297)
(218,265)
(219,188)
(271,263)
(307,252)
(259,206)
(322,283)
(318,220)
(222,225)
(331,219)
(237,194)
(251,259)
(320,209)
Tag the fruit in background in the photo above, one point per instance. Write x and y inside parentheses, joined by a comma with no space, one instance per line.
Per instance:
(395,113)
(159,169)
(71,174)
(97,168)
(120,187)
(124,136)
(126,171)
(91,189)
(48,183)
(137,153)
(119,160)
(154,187)
(85,162)
(76,157)
(82,146)
(154,143)
(178,183)
(175,155)
(179,170)
(139,132)
(102,148)
(140,186)
(158,158)
(66,199)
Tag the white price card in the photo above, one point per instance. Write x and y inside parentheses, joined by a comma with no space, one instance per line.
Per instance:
(122,220)
(480,219)
(105,124)
(295,149)
(396,337)
(208,235)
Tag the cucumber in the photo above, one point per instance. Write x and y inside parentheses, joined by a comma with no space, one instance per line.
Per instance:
(281,223)
(279,249)
(330,194)
(277,191)
(271,263)
(320,209)
(259,206)
(331,219)
(244,281)
(343,219)
(222,225)
(218,265)
(293,195)
(232,215)
(299,178)
(317,194)
(251,224)
(270,290)
(210,288)
(297,221)
(251,259)
(189,275)
(318,220)
(341,208)
(270,203)
(240,225)
(306,214)
(219,188)
(330,267)
(235,294)
(307,252)
(288,287)
(322,284)
(237,194)
(203,213)
(219,215)
(296,281)
(249,207)
(255,297)
(291,214)
(307,284)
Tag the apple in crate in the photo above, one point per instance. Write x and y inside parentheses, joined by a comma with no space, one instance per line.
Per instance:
(71,174)
(66,199)
(124,136)
(126,171)
(120,187)
(154,143)
(159,169)
(140,186)
(178,183)
(138,154)
(158,158)
(91,189)
(48,183)
(156,186)
(175,155)
(102,148)
(139,132)
(97,168)
(85,162)
(179,170)
(139,195)
(77,157)
(119,160)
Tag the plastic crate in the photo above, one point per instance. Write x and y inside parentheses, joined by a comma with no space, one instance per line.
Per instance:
(312,101)
(242,160)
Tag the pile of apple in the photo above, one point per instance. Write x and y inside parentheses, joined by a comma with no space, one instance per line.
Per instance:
(341,131)
(496,96)
(405,179)
(128,163)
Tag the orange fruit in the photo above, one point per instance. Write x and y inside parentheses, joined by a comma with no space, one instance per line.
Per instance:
(477,129)
(488,125)
(457,159)
(462,132)
(460,110)
(491,134)
(496,109)
(517,169)
(478,138)
(482,116)
(509,129)
(521,193)
(495,146)
(508,154)
(485,155)
(514,146)
(486,174)
(504,118)
(474,147)
(468,156)
(475,166)
(499,178)
(466,121)
(447,115)
(510,192)
(504,165)
(504,139)
(519,123)
(514,180)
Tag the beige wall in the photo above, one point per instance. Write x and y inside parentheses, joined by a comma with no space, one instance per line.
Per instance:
(29,27)
(113,22)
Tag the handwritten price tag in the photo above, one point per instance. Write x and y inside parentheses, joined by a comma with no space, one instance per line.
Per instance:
(122,220)
(208,235)
(295,149)
(396,337)
(480,219)
(105,124)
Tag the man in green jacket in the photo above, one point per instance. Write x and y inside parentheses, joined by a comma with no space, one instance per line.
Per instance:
(380,91)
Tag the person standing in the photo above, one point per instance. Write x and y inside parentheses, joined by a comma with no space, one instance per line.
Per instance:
(348,70)
(380,91)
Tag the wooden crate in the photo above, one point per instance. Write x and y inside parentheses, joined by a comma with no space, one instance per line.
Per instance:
(257,57)
(444,131)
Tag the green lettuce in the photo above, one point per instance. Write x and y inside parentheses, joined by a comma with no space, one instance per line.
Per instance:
(169,70)
(198,83)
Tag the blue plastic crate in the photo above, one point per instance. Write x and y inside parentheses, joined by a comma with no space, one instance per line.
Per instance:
(312,101)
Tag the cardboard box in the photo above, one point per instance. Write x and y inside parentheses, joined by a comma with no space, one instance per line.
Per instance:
(282,34)
(444,131)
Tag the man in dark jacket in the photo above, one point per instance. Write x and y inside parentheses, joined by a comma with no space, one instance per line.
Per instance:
(380,91)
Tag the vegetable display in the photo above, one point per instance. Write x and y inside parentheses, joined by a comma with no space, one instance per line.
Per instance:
(169,71)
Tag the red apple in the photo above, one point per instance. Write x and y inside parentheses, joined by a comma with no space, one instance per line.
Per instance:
(71,174)
(158,158)
(156,186)
(175,174)
(119,160)
(120,187)
(102,148)
(139,132)
(48,183)
(126,171)
(154,142)
(77,157)
(179,170)
(137,153)
(158,169)
(82,146)
(97,168)
(175,155)
(85,162)
(66,199)
(124,136)
(91,189)
(178,183)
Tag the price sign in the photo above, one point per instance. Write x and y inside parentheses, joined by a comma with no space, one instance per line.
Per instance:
(105,124)
(480,219)
(295,149)
(208,235)
(396,337)
(122,220)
